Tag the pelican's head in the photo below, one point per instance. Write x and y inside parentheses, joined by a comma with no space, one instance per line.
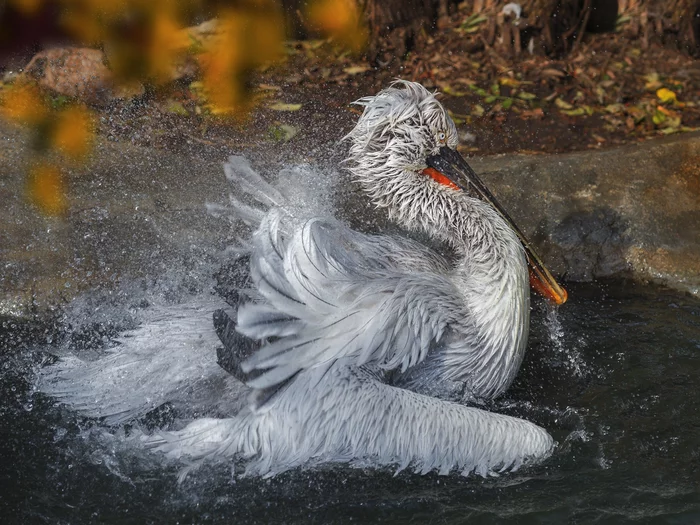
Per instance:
(402,151)
(399,129)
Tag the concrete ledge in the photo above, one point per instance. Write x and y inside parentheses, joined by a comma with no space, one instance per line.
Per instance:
(133,212)
(633,211)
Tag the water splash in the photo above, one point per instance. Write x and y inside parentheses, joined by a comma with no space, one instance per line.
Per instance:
(567,356)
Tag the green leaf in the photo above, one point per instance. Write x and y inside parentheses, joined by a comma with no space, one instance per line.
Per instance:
(490,99)
(472,23)
(59,101)
(658,118)
(448,90)
(524,95)
(507,103)
(282,132)
(479,91)
(176,107)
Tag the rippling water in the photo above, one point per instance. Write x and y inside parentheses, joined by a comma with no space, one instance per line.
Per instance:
(612,375)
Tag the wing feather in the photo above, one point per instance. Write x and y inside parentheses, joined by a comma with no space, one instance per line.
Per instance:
(331,293)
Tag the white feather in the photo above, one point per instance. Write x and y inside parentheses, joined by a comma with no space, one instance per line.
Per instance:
(170,357)
(342,308)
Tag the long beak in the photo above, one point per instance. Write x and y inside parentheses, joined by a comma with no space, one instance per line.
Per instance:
(452,166)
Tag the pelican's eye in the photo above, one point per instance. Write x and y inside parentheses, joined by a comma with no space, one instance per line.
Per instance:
(442,137)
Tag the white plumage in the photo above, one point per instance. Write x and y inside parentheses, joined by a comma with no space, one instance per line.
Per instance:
(367,340)
(168,358)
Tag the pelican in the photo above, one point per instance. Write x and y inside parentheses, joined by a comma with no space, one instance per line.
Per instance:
(363,348)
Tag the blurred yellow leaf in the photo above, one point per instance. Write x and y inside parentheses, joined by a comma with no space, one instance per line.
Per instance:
(354,70)
(666,95)
(574,112)
(177,108)
(281,106)
(166,44)
(245,39)
(23,104)
(507,81)
(524,95)
(28,7)
(282,132)
(312,44)
(478,110)
(562,104)
(73,133)
(652,81)
(614,108)
(46,189)
(339,19)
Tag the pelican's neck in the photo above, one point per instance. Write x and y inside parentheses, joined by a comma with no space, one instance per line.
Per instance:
(492,276)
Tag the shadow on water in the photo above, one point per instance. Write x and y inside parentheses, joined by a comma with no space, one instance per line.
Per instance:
(612,375)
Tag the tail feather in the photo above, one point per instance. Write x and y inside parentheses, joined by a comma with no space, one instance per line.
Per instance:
(169,358)
(343,415)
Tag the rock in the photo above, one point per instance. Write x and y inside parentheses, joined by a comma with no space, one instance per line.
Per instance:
(633,210)
(76,72)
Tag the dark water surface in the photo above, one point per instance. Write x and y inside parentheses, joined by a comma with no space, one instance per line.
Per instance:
(613,375)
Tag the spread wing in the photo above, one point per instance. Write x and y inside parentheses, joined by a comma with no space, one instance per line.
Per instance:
(331,293)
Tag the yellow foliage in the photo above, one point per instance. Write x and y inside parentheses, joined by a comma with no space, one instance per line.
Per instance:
(666,95)
(167,43)
(507,81)
(46,189)
(87,20)
(27,7)
(23,104)
(339,19)
(245,39)
(73,133)
(143,39)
